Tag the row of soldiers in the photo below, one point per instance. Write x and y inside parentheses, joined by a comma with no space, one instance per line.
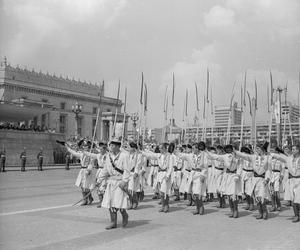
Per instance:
(194,171)
(23,159)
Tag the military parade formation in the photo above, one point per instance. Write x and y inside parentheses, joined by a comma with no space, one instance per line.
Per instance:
(192,172)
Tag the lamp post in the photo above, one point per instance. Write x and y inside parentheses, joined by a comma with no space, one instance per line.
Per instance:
(76,109)
(134,118)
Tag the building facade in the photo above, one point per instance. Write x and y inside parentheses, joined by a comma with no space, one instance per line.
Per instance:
(222,113)
(45,101)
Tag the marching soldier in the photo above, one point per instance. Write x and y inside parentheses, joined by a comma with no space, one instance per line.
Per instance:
(247,176)
(177,176)
(277,172)
(166,161)
(293,164)
(23,159)
(261,166)
(116,172)
(101,158)
(198,162)
(152,180)
(40,158)
(2,160)
(210,176)
(231,181)
(84,179)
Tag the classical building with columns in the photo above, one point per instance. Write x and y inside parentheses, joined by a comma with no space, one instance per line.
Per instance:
(46,102)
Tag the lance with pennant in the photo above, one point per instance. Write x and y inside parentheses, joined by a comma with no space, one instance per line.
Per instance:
(141,107)
(271,108)
(172,108)
(124,117)
(116,112)
(198,111)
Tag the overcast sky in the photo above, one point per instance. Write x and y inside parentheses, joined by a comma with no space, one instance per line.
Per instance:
(111,39)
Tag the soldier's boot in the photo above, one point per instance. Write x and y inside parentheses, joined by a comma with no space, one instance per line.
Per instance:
(162,204)
(248,202)
(100,200)
(190,200)
(90,198)
(211,197)
(166,208)
(231,207)
(220,201)
(201,206)
(273,208)
(177,197)
(265,210)
(260,211)
(161,199)
(296,208)
(135,200)
(185,196)
(142,195)
(85,200)
(197,203)
(278,203)
(124,217)
(113,220)
(251,201)
(223,201)
(235,209)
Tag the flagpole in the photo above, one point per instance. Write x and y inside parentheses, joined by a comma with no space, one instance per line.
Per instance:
(198,113)
(172,108)
(255,109)
(186,114)
(116,112)
(212,118)
(271,110)
(141,107)
(242,119)
(229,115)
(145,111)
(124,117)
(204,120)
(164,113)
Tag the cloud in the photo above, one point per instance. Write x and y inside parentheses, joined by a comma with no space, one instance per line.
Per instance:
(219,17)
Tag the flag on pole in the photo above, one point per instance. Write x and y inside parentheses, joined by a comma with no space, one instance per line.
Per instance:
(272,89)
(207,85)
(197,101)
(249,103)
(142,89)
(145,99)
(245,88)
(211,102)
(173,91)
(255,95)
(186,102)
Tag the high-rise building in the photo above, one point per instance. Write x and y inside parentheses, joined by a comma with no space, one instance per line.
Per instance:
(289,112)
(222,114)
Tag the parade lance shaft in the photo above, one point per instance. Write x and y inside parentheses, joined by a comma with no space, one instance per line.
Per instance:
(197,107)
(243,104)
(116,112)
(124,117)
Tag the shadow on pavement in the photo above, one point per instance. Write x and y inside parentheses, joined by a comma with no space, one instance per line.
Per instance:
(137,223)
(244,213)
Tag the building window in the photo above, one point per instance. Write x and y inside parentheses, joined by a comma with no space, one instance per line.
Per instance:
(62,105)
(94,110)
(62,123)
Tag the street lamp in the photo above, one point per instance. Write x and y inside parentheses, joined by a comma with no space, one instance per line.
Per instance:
(134,118)
(76,109)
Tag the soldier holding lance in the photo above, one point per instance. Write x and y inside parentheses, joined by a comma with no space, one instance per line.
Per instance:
(152,179)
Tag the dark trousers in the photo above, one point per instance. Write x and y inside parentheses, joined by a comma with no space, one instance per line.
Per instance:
(2,165)
(40,165)
(23,163)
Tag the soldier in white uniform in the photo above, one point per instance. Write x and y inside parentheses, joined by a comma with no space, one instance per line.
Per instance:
(293,164)
(135,165)
(100,157)
(261,166)
(116,173)
(166,161)
(152,179)
(177,176)
(231,181)
(210,176)
(84,179)
(247,177)
(198,161)
(275,184)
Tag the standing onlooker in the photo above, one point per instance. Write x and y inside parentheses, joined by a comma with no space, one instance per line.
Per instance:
(23,159)
(40,158)
(2,160)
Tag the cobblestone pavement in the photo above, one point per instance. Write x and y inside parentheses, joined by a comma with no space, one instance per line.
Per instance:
(36,212)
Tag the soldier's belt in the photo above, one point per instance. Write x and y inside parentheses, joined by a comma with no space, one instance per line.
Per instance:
(155,165)
(259,175)
(275,170)
(162,170)
(197,169)
(209,166)
(218,168)
(188,170)
(248,170)
(83,167)
(231,171)
(293,176)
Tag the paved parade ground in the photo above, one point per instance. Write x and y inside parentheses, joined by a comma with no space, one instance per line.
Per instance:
(36,212)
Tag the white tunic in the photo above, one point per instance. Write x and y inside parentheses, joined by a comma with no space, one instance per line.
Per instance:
(114,196)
